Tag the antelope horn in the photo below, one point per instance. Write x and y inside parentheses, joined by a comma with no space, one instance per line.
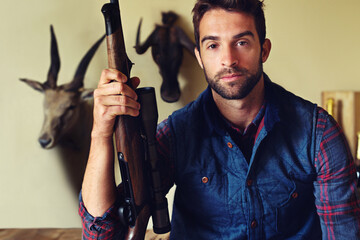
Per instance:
(77,82)
(55,62)
(138,34)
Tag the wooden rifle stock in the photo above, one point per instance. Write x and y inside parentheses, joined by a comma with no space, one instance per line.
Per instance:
(129,145)
(132,138)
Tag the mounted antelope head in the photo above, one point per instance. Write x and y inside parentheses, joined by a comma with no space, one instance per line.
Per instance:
(62,104)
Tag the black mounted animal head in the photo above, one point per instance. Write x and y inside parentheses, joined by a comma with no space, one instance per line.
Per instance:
(167,42)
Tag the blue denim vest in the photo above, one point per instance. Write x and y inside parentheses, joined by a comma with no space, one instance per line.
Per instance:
(220,196)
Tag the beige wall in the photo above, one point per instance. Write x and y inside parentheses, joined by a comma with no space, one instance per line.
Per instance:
(315,48)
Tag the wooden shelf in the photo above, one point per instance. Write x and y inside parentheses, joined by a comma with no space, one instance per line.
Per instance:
(346,111)
(41,234)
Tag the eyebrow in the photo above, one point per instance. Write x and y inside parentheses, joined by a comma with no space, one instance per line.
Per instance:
(246,33)
(237,36)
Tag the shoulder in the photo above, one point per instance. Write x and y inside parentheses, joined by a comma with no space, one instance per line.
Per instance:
(192,109)
(287,98)
(328,131)
(289,107)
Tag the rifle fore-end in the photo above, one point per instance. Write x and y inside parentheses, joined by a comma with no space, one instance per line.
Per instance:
(128,140)
(127,129)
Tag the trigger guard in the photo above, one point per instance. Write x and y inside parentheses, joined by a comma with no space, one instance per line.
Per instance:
(123,215)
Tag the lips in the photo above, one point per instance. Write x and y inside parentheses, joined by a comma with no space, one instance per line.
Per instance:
(231,74)
(230,77)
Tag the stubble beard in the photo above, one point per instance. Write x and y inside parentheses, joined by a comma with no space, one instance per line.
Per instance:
(235,90)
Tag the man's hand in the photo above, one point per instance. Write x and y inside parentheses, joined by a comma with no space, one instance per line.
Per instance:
(113,97)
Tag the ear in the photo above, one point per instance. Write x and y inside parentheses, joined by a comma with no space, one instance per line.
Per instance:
(266,50)
(34,84)
(198,57)
(87,94)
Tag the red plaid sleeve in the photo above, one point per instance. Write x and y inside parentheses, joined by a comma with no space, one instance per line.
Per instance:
(105,227)
(335,188)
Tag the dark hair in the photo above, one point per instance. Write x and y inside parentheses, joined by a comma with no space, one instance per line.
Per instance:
(251,7)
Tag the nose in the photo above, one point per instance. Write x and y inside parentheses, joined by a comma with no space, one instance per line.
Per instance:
(44,141)
(229,57)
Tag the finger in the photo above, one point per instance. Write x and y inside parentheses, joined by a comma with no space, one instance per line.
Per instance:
(115,88)
(109,75)
(135,82)
(119,100)
(123,110)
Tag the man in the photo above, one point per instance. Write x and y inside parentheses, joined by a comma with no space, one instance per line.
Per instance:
(249,159)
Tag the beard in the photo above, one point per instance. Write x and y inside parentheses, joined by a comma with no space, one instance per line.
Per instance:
(237,89)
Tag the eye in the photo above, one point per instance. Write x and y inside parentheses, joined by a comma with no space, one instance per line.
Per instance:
(242,43)
(72,107)
(212,46)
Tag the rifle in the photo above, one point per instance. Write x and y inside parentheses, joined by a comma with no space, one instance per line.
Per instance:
(136,144)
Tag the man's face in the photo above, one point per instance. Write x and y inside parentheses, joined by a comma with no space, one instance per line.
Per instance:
(230,53)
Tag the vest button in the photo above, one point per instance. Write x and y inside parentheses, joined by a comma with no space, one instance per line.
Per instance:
(205,180)
(230,145)
(294,195)
(253,224)
(249,182)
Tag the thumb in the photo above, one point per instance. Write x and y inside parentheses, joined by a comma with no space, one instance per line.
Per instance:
(135,82)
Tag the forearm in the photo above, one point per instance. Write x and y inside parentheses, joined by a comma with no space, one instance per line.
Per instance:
(99,189)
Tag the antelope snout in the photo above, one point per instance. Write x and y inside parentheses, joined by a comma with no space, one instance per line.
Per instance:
(45,141)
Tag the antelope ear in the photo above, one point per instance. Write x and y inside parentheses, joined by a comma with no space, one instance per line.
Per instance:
(34,84)
(87,94)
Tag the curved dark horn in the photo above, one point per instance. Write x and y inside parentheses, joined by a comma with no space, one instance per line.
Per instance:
(55,62)
(138,34)
(185,41)
(141,48)
(77,82)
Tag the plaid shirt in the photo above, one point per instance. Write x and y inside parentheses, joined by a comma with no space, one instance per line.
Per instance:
(335,187)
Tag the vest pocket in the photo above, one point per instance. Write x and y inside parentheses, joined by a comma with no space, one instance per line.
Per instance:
(295,213)
(202,196)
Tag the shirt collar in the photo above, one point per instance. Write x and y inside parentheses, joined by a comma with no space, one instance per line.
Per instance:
(251,128)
